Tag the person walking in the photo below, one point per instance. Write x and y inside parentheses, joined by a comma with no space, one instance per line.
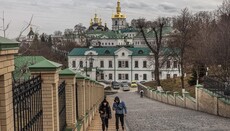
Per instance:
(120,112)
(105,114)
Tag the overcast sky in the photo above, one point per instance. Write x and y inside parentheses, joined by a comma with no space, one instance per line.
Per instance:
(51,15)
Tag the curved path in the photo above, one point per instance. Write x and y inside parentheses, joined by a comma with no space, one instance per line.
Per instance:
(149,115)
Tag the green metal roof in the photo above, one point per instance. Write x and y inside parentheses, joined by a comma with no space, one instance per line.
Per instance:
(129,29)
(151,34)
(22,64)
(107,34)
(6,44)
(67,72)
(46,65)
(110,51)
(113,35)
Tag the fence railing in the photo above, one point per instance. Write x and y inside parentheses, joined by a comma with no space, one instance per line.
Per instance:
(220,88)
(27,105)
(76,93)
(62,106)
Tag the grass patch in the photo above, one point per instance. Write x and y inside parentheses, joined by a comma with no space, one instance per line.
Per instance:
(173,85)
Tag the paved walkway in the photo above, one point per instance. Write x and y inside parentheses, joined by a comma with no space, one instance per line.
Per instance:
(149,115)
(96,123)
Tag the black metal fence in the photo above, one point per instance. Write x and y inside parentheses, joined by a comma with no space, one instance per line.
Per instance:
(27,105)
(76,86)
(62,106)
(220,88)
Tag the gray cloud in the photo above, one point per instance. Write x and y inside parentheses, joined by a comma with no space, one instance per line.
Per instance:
(51,15)
(168,7)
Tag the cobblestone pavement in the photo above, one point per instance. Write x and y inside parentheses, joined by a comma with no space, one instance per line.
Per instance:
(149,115)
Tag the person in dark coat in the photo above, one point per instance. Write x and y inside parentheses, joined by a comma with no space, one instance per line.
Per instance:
(121,111)
(105,114)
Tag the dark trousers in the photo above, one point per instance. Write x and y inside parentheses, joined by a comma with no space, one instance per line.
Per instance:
(121,117)
(105,123)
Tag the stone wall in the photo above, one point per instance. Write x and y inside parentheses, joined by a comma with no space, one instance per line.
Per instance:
(205,100)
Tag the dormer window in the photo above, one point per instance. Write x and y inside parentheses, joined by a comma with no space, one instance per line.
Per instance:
(107,52)
(140,52)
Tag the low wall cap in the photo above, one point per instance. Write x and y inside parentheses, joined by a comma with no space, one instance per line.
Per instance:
(67,72)
(45,64)
(80,76)
(7,44)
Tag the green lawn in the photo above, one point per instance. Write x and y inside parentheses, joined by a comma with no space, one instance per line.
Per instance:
(173,85)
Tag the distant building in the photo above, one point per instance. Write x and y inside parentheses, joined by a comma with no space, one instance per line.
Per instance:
(119,64)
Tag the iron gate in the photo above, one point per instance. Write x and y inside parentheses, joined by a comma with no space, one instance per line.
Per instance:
(62,106)
(27,105)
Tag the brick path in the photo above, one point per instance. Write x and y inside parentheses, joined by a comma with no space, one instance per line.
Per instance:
(96,123)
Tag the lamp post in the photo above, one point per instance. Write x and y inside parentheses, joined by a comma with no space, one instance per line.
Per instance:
(90,64)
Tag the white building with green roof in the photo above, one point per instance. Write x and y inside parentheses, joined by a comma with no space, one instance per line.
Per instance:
(119,64)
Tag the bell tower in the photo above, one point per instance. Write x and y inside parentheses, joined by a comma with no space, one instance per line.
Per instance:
(118,19)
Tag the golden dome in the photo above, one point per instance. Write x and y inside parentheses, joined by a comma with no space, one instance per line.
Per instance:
(118,13)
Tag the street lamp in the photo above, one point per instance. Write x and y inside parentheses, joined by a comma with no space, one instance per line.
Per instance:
(90,64)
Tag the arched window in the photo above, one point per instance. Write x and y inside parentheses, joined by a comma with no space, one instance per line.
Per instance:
(140,52)
(123,54)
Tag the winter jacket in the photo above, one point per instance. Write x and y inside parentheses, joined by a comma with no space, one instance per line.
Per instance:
(105,111)
(120,108)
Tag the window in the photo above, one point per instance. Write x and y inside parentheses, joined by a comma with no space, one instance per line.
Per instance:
(126,64)
(136,64)
(123,64)
(123,76)
(81,64)
(102,64)
(112,44)
(168,76)
(110,76)
(116,22)
(174,75)
(102,76)
(140,52)
(144,64)
(144,76)
(74,64)
(136,76)
(91,64)
(123,54)
(175,64)
(119,64)
(168,64)
(119,76)
(107,52)
(126,76)
(122,22)
(110,64)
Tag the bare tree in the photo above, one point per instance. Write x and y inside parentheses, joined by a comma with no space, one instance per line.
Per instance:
(183,24)
(57,33)
(157,27)
(25,28)
(4,29)
(220,47)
